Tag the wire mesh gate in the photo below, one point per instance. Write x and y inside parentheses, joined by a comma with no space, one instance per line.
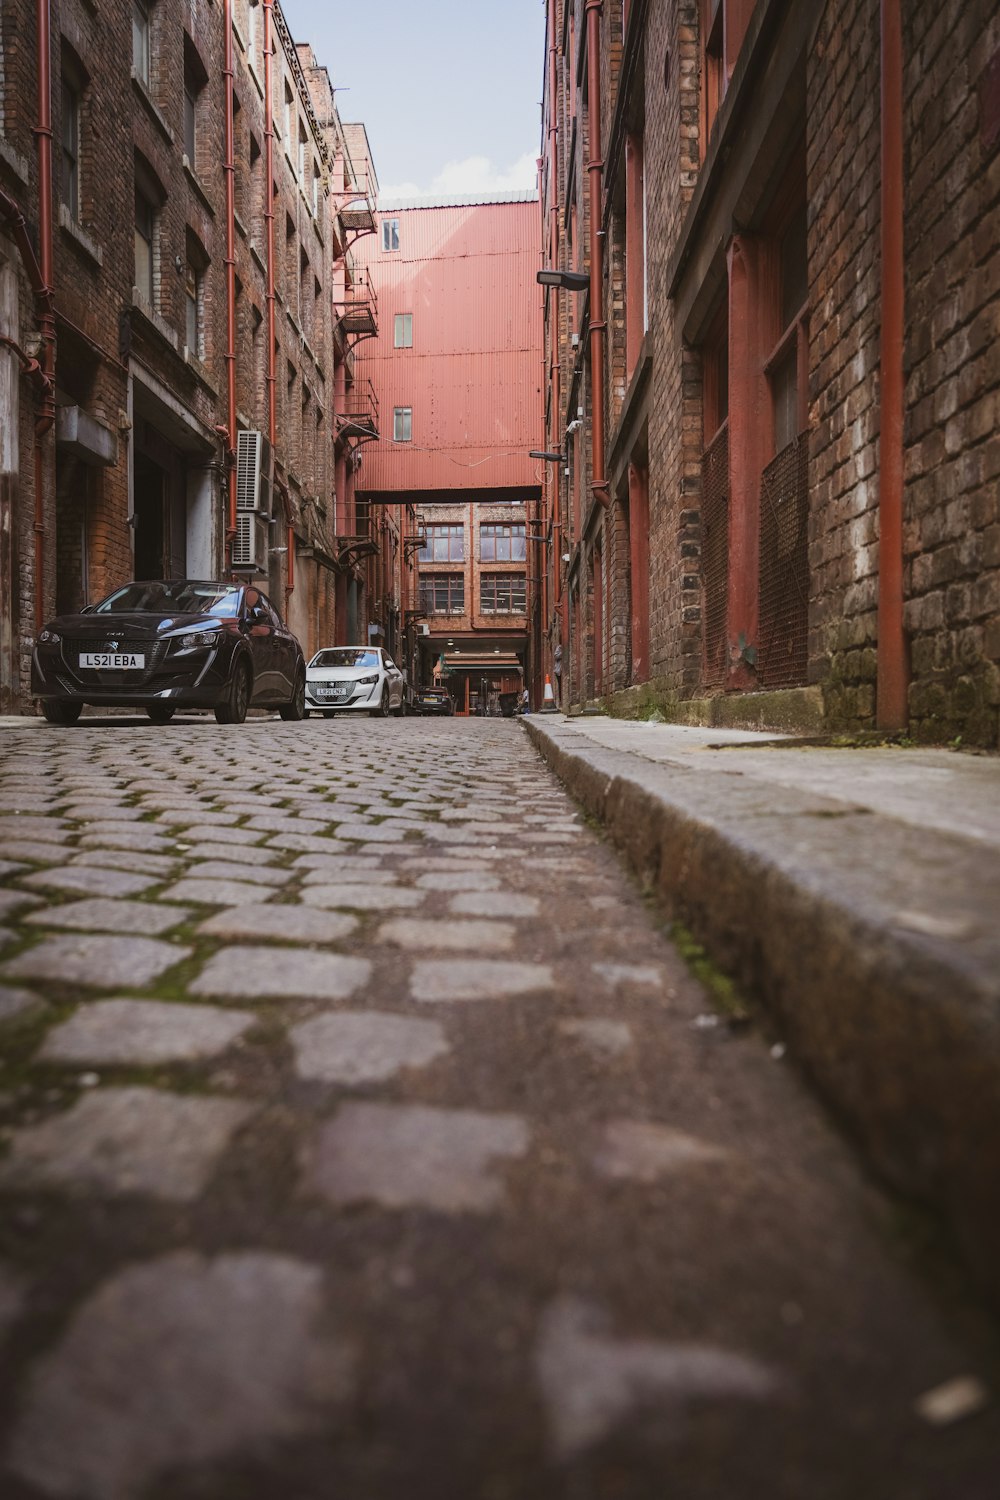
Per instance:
(784,568)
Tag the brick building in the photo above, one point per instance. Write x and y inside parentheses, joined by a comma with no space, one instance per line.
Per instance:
(182,294)
(775,381)
(456,372)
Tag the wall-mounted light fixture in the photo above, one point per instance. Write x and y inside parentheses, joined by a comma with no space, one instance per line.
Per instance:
(549,458)
(567,281)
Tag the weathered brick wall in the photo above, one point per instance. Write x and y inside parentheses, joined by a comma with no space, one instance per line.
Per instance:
(671,154)
(842,166)
(952,360)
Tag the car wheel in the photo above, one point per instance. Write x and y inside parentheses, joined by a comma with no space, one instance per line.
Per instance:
(297,708)
(233,708)
(161,713)
(382,712)
(60,711)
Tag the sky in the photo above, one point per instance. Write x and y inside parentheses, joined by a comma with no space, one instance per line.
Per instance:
(449,90)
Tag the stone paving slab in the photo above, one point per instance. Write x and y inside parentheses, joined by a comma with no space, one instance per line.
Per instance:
(253,973)
(234,1349)
(364,1046)
(105,915)
(91,880)
(286,924)
(398,1155)
(218,892)
(361,897)
(442,979)
(126,1140)
(144,1032)
(19,1004)
(96,960)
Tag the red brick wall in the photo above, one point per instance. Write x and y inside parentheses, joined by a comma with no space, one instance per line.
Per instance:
(952,361)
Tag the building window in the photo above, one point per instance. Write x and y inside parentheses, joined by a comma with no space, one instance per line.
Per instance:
(402,424)
(443,594)
(71,147)
(503,594)
(390,234)
(289,117)
(787,368)
(303,148)
(501,542)
(253,14)
(317,187)
(140,40)
(194,287)
(145,221)
(443,544)
(403,331)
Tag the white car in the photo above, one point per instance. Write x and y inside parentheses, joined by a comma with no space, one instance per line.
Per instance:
(351,679)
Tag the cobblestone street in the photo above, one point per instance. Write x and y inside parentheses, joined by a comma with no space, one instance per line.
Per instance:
(364,1135)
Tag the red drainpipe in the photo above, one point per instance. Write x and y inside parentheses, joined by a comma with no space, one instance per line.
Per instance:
(595,167)
(891,686)
(229,169)
(272,415)
(44,292)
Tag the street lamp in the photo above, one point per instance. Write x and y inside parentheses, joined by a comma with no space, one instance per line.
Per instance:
(568,281)
(549,458)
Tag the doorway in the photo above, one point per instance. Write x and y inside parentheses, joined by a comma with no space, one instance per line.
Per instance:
(149,518)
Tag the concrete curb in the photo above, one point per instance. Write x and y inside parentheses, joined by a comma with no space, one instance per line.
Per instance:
(873,943)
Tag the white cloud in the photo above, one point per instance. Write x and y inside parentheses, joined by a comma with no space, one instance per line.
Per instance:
(473,175)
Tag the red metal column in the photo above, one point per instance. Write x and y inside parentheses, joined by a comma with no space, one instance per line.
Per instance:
(229,171)
(46,416)
(891,684)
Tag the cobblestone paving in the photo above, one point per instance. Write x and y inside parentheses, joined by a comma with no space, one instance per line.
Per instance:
(365,1136)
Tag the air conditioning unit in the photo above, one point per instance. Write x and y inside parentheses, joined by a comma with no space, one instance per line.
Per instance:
(253,472)
(423,629)
(250,541)
(574,339)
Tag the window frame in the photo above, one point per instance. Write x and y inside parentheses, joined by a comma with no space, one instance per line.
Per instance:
(449,586)
(510,532)
(506,589)
(449,532)
(390,235)
(142,42)
(402,424)
(402,326)
(70,107)
(146,285)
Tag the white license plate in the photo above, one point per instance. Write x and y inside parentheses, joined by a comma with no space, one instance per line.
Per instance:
(337,692)
(116,661)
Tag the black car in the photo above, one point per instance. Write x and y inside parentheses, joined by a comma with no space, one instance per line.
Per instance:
(434,701)
(161,646)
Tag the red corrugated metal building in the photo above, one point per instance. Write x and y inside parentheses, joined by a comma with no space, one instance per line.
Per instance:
(457,369)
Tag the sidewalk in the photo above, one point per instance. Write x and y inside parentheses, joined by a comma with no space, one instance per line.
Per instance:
(857,893)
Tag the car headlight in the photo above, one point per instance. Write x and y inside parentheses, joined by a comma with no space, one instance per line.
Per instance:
(49,638)
(196,638)
(367,681)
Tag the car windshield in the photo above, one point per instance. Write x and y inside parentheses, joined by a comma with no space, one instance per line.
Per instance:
(345,656)
(174,597)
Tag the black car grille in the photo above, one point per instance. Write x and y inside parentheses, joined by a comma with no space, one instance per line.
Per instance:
(153,650)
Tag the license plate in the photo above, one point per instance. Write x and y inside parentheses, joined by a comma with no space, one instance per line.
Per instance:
(115,661)
(332,692)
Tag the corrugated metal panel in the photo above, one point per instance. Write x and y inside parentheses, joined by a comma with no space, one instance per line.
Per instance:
(473,375)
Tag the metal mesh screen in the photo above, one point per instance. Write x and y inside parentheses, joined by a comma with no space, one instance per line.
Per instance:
(784,568)
(715,554)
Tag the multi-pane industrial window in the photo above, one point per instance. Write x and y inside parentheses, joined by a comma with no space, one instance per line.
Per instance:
(140,40)
(403,331)
(445,543)
(502,594)
(501,542)
(145,218)
(71,148)
(190,116)
(402,424)
(390,234)
(443,594)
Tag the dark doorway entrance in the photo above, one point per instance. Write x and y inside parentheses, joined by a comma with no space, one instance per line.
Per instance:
(149,491)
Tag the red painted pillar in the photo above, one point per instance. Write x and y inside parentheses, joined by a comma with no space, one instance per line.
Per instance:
(638,532)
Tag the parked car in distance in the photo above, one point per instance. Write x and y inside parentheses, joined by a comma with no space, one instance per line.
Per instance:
(167,644)
(354,679)
(434,701)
